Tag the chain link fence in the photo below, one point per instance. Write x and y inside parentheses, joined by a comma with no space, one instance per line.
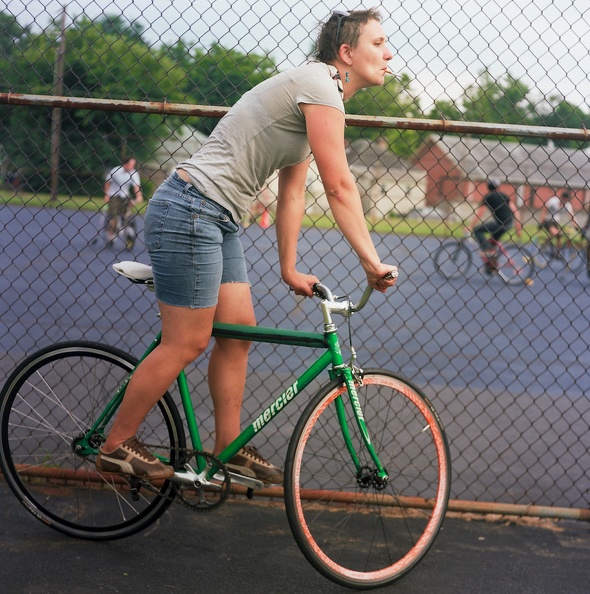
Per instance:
(481,90)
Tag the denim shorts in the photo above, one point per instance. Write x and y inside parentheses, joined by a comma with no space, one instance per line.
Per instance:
(193,244)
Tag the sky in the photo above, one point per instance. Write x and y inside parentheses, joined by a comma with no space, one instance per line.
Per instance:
(442,44)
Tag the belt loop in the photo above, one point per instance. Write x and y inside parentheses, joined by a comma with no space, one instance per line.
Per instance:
(187,187)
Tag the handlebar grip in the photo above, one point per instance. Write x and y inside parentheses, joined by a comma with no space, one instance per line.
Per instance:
(393,273)
(321,291)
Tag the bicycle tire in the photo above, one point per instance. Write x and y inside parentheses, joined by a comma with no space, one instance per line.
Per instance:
(544,253)
(52,397)
(515,265)
(575,259)
(452,259)
(363,537)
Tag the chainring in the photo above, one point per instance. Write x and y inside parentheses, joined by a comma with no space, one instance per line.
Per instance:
(209,495)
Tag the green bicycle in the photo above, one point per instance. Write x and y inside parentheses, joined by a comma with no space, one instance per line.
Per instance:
(367,471)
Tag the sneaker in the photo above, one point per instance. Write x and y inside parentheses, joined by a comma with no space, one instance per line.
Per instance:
(248,462)
(133,458)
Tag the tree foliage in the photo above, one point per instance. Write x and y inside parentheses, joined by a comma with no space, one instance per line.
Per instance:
(393,99)
(508,100)
(217,76)
(109,57)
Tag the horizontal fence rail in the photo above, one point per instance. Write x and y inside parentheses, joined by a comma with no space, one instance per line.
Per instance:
(165,108)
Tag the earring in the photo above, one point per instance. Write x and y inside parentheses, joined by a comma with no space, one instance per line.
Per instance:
(346,79)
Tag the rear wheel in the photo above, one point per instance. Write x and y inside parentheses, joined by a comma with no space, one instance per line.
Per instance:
(46,405)
(544,252)
(515,265)
(352,527)
(452,259)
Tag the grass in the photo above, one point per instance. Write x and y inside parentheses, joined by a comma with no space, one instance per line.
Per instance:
(398,225)
(32,200)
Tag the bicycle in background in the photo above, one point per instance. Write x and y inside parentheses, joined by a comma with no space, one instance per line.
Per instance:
(568,250)
(124,228)
(511,262)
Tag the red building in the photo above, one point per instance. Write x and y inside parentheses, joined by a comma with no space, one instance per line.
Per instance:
(457,169)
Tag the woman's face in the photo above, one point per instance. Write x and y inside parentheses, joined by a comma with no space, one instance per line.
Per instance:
(371,55)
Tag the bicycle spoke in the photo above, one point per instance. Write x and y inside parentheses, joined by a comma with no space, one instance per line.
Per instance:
(50,401)
(361,533)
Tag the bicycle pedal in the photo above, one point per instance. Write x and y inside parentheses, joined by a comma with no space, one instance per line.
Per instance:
(134,487)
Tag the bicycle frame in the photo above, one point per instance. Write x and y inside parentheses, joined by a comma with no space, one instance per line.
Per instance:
(331,358)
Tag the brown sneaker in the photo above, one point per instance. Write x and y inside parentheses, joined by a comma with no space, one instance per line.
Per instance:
(248,462)
(133,458)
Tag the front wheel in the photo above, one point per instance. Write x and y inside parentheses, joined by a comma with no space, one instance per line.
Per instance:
(515,265)
(575,259)
(47,405)
(357,531)
(452,259)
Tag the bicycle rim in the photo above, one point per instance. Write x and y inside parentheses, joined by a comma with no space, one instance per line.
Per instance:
(575,260)
(363,537)
(52,398)
(515,265)
(544,253)
(452,259)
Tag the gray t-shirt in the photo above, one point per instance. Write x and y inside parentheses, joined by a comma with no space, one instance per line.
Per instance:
(264,131)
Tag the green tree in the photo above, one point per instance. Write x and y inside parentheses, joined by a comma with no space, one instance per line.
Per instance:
(12,34)
(445,109)
(100,63)
(217,76)
(562,114)
(393,99)
(501,101)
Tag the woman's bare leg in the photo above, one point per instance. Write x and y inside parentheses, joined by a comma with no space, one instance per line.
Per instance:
(228,363)
(185,335)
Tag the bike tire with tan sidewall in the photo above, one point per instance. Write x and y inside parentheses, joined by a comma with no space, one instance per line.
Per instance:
(363,535)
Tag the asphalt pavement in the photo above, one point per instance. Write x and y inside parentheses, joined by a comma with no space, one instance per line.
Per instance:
(247,547)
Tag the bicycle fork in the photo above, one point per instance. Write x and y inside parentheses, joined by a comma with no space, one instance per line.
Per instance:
(366,476)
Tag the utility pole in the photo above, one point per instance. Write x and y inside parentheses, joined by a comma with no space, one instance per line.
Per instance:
(58,75)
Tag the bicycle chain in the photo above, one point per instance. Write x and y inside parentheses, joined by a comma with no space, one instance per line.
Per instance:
(177,489)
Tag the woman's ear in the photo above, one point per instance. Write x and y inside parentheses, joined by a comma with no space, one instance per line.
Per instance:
(345,54)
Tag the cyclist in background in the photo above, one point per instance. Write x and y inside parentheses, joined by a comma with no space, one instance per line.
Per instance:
(503,216)
(558,217)
(120,183)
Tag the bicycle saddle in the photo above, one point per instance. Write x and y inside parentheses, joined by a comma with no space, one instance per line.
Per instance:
(136,271)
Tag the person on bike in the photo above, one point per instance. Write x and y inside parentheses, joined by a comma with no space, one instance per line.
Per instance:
(191,231)
(503,216)
(558,217)
(121,183)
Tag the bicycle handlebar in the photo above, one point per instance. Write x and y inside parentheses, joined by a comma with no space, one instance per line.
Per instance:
(346,307)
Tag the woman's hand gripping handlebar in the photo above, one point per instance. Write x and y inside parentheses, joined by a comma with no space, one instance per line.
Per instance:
(347,308)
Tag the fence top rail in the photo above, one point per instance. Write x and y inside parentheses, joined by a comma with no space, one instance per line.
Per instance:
(185,109)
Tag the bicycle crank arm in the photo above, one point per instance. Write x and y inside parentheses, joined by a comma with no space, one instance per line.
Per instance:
(245,481)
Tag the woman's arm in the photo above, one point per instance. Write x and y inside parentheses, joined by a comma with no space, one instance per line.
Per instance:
(290,210)
(325,132)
